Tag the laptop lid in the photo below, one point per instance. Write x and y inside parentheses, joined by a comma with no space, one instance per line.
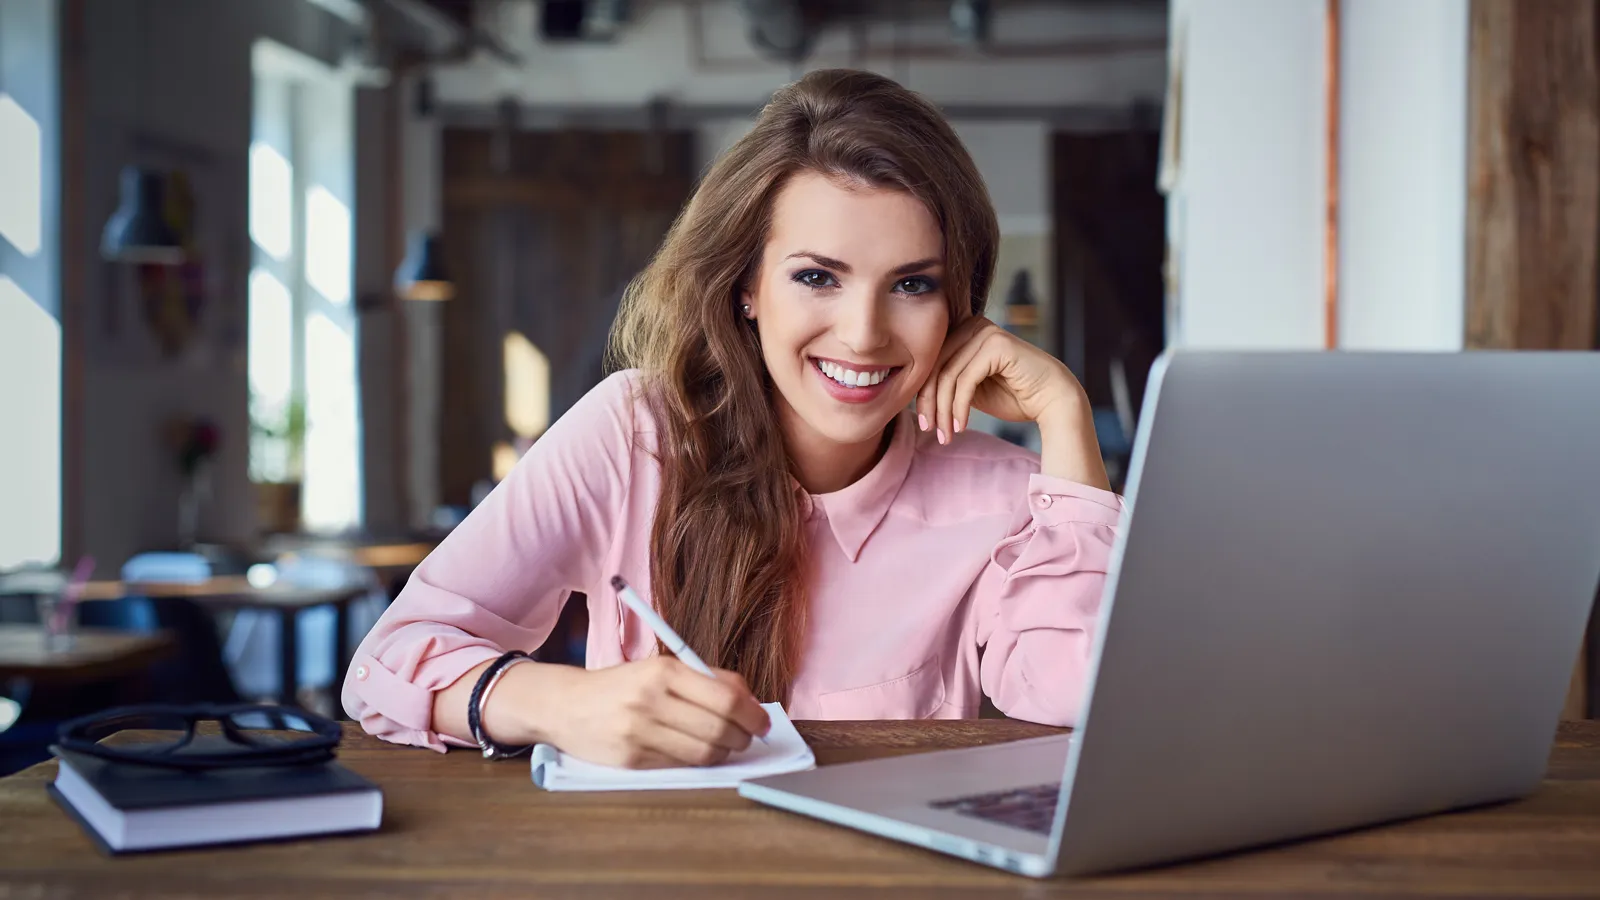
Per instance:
(1352,589)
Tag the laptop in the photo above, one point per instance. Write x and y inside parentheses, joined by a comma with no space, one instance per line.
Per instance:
(1350,589)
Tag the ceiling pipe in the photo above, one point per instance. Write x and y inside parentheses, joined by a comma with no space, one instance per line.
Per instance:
(466,38)
(863,49)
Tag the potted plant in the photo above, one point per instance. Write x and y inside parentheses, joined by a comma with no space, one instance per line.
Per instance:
(277,454)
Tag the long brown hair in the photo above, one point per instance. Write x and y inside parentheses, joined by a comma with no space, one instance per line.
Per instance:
(727,549)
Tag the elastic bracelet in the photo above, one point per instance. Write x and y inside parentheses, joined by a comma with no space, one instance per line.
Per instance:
(480,696)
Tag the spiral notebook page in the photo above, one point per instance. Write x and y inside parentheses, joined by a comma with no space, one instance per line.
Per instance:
(784,751)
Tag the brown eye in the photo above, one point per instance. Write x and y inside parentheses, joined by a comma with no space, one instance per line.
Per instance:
(916,285)
(815,278)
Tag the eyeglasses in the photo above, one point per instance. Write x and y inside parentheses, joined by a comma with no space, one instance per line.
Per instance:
(251,735)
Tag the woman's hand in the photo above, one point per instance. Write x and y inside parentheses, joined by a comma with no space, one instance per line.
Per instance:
(982,366)
(653,713)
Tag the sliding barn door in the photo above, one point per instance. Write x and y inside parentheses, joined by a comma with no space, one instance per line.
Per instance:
(543,231)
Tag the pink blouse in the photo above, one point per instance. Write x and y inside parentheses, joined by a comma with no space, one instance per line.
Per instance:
(944,571)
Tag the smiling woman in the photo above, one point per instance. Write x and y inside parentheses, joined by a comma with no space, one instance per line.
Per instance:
(760,472)
(851,313)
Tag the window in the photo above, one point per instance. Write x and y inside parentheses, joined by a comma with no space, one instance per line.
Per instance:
(30,455)
(304,398)
(30,330)
(21,177)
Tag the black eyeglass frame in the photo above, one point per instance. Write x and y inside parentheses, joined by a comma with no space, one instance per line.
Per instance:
(82,735)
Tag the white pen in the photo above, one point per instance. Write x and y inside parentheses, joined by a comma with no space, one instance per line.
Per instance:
(663,631)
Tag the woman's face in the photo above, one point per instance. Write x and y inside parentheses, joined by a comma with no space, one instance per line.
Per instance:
(850,305)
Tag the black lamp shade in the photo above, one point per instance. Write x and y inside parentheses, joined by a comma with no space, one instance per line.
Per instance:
(1021,311)
(138,231)
(422,275)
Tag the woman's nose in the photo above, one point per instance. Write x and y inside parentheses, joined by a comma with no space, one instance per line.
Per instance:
(861,325)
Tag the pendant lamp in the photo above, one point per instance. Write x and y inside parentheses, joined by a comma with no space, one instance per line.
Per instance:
(138,231)
(422,275)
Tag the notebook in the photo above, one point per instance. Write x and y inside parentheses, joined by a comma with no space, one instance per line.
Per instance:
(784,751)
(127,808)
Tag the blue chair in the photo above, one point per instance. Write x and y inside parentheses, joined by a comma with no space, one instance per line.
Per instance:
(197,674)
(251,651)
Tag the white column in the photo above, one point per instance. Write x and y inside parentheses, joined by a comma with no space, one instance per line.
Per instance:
(1247,211)
(1403,175)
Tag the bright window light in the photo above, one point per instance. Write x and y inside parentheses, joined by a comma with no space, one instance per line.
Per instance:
(30,410)
(271,351)
(328,237)
(332,499)
(271,198)
(503,458)
(527,388)
(270,366)
(21,177)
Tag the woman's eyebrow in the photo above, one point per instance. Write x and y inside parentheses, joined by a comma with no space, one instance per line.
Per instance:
(917,266)
(829,262)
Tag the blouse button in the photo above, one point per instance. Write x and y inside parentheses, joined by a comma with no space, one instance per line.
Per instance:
(1044,501)
(361,673)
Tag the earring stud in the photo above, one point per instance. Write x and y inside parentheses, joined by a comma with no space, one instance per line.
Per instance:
(746,309)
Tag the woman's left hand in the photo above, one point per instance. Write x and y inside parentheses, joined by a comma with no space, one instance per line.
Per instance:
(982,366)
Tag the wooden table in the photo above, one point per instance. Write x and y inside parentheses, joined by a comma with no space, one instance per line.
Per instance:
(235,592)
(387,560)
(458,826)
(95,654)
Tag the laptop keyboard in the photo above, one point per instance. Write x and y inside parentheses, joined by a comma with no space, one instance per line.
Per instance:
(1029,808)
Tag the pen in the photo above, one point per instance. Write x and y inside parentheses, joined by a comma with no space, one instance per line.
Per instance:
(663,631)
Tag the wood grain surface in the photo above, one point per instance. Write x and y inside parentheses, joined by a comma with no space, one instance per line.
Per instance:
(228,591)
(95,654)
(458,826)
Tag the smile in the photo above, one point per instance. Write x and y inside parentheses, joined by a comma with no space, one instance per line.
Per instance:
(853,377)
(853,384)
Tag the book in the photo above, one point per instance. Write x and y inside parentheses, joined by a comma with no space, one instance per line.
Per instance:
(784,751)
(130,808)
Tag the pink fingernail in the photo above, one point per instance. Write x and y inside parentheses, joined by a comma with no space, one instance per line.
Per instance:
(922,420)
(958,426)
(940,433)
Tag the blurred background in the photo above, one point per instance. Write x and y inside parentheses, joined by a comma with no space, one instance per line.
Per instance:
(287,285)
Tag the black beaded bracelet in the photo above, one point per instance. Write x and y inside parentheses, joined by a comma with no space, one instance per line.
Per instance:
(480,691)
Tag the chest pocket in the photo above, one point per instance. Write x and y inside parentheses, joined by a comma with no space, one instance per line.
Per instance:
(915,695)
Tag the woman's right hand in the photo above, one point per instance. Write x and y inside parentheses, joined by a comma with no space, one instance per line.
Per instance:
(653,713)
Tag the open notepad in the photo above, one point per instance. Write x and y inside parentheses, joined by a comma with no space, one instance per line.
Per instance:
(784,751)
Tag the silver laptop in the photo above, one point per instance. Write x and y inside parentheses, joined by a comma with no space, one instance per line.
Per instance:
(1350,589)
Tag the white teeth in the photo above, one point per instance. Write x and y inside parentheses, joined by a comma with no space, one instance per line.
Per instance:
(850,377)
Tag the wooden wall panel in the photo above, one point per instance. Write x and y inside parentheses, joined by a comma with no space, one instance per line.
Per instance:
(1110,234)
(1533,208)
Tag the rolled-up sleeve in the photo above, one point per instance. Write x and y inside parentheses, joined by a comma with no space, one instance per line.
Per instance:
(1038,600)
(498,581)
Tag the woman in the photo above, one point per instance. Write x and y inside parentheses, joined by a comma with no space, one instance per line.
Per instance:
(761,476)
